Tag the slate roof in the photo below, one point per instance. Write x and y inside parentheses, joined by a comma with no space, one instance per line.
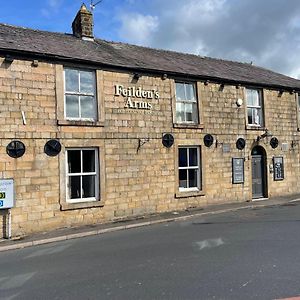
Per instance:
(121,55)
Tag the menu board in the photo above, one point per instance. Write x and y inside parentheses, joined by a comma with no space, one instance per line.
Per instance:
(238,170)
(278,168)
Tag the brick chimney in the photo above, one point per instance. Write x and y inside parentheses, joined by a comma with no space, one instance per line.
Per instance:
(83,24)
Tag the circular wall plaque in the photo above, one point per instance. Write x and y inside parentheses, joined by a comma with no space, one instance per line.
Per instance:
(274,142)
(208,140)
(52,147)
(168,140)
(240,143)
(15,149)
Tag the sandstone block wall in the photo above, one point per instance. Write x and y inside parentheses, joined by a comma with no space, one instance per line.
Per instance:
(138,174)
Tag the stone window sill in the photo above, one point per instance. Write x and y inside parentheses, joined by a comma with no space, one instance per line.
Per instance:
(259,128)
(80,123)
(189,194)
(187,125)
(71,206)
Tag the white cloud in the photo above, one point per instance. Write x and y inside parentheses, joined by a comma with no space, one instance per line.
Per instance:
(138,28)
(265,32)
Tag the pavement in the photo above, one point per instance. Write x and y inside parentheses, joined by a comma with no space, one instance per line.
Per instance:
(129,223)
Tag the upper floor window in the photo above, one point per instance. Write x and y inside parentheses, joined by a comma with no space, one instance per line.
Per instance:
(186,103)
(254,107)
(80,95)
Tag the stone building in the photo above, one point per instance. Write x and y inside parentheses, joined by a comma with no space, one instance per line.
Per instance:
(93,131)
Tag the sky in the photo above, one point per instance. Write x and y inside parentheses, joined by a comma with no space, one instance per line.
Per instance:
(264,32)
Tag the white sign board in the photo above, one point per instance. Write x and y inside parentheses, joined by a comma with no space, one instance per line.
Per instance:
(6,193)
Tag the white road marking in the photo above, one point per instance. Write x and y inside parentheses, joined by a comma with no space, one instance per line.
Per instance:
(211,243)
(15,281)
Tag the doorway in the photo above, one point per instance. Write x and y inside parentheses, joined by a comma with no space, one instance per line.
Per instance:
(259,180)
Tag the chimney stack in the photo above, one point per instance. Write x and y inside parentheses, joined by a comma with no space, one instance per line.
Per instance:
(83,24)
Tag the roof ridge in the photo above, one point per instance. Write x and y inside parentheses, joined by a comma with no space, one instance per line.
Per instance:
(180,53)
(35,30)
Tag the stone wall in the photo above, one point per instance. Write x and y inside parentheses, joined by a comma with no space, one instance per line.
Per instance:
(138,174)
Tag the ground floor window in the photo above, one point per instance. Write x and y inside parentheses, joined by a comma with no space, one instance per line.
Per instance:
(189,169)
(82,174)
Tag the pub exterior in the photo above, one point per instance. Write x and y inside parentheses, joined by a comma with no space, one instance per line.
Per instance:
(95,131)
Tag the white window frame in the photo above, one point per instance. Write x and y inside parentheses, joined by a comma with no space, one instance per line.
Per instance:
(95,173)
(80,94)
(198,167)
(185,102)
(255,109)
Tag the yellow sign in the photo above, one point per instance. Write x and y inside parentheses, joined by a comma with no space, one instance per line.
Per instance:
(2,195)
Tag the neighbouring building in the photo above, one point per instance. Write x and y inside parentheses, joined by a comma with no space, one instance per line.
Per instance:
(93,131)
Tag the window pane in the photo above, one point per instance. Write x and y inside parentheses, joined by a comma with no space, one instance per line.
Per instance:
(180,91)
(88,160)
(195,113)
(180,112)
(190,92)
(88,107)
(183,179)
(182,157)
(71,79)
(74,187)
(74,161)
(72,106)
(249,95)
(253,97)
(193,157)
(250,119)
(193,178)
(87,82)
(189,112)
(256,98)
(88,186)
(257,116)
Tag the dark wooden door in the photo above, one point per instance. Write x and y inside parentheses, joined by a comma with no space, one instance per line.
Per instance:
(257,176)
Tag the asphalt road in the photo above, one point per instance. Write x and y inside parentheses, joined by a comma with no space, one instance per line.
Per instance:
(249,254)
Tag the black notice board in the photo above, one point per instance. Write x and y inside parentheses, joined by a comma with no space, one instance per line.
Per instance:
(237,170)
(278,168)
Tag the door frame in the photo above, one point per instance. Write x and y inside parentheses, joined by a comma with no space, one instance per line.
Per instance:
(260,151)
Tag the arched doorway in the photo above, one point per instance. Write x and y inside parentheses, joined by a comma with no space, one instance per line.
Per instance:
(259,172)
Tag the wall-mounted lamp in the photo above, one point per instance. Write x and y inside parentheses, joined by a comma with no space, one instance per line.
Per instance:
(280,93)
(164,76)
(136,76)
(266,134)
(8,59)
(237,86)
(35,63)
(292,92)
(206,82)
(239,102)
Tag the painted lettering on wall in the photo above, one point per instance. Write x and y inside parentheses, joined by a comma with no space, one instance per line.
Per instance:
(136,97)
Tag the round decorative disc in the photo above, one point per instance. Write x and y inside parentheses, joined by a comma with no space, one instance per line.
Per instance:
(208,140)
(240,143)
(168,140)
(15,149)
(274,142)
(52,147)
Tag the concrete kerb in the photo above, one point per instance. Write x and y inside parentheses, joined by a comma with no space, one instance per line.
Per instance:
(131,226)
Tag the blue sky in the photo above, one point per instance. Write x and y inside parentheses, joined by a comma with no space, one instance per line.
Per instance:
(266,32)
